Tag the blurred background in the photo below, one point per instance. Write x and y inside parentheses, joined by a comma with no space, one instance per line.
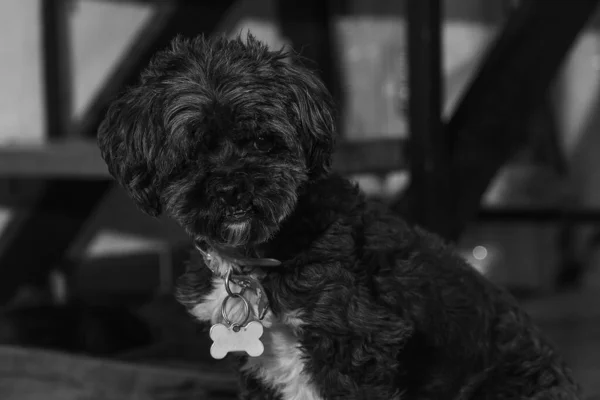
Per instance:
(474,118)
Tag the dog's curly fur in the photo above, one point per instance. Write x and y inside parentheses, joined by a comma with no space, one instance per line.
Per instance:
(234,142)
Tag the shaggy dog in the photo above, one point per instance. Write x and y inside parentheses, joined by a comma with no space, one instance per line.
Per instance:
(234,142)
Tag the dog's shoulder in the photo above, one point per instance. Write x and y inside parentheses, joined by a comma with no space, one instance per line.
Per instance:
(385,232)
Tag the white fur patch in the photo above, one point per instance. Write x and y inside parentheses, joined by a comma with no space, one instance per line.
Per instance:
(280,366)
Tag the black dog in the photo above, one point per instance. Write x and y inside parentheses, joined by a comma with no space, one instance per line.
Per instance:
(234,142)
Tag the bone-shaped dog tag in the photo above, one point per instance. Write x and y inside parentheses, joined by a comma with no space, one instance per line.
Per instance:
(262,303)
(227,340)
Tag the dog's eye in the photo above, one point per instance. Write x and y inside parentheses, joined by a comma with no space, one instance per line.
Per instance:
(262,143)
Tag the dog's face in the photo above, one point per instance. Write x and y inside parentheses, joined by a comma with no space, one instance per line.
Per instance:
(220,135)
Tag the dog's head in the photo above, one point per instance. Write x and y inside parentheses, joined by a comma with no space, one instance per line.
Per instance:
(220,135)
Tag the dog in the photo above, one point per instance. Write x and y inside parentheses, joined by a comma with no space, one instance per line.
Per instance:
(234,141)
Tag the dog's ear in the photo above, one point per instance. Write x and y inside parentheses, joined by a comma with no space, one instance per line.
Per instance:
(128,140)
(314,112)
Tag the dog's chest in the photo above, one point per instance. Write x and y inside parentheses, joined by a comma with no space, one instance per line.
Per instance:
(281,365)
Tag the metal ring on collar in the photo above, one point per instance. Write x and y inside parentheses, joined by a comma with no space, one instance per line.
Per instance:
(228,282)
(237,325)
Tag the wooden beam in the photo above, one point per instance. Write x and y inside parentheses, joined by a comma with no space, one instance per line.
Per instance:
(56,59)
(378,156)
(56,67)
(429,150)
(57,159)
(127,71)
(80,159)
(309,25)
(177,17)
(545,215)
(512,81)
(38,239)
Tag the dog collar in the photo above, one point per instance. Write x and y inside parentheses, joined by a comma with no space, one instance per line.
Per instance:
(247,276)
(214,258)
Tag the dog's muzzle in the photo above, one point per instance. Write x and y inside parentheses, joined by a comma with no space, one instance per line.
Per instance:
(236,196)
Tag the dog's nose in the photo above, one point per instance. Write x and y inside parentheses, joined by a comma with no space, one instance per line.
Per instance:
(234,197)
(237,195)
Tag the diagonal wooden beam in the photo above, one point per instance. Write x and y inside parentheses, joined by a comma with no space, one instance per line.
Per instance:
(172,18)
(39,239)
(512,81)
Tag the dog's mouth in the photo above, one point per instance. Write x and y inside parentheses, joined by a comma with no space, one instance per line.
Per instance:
(242,224)
(239,214)
(242,227)
(237,225)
